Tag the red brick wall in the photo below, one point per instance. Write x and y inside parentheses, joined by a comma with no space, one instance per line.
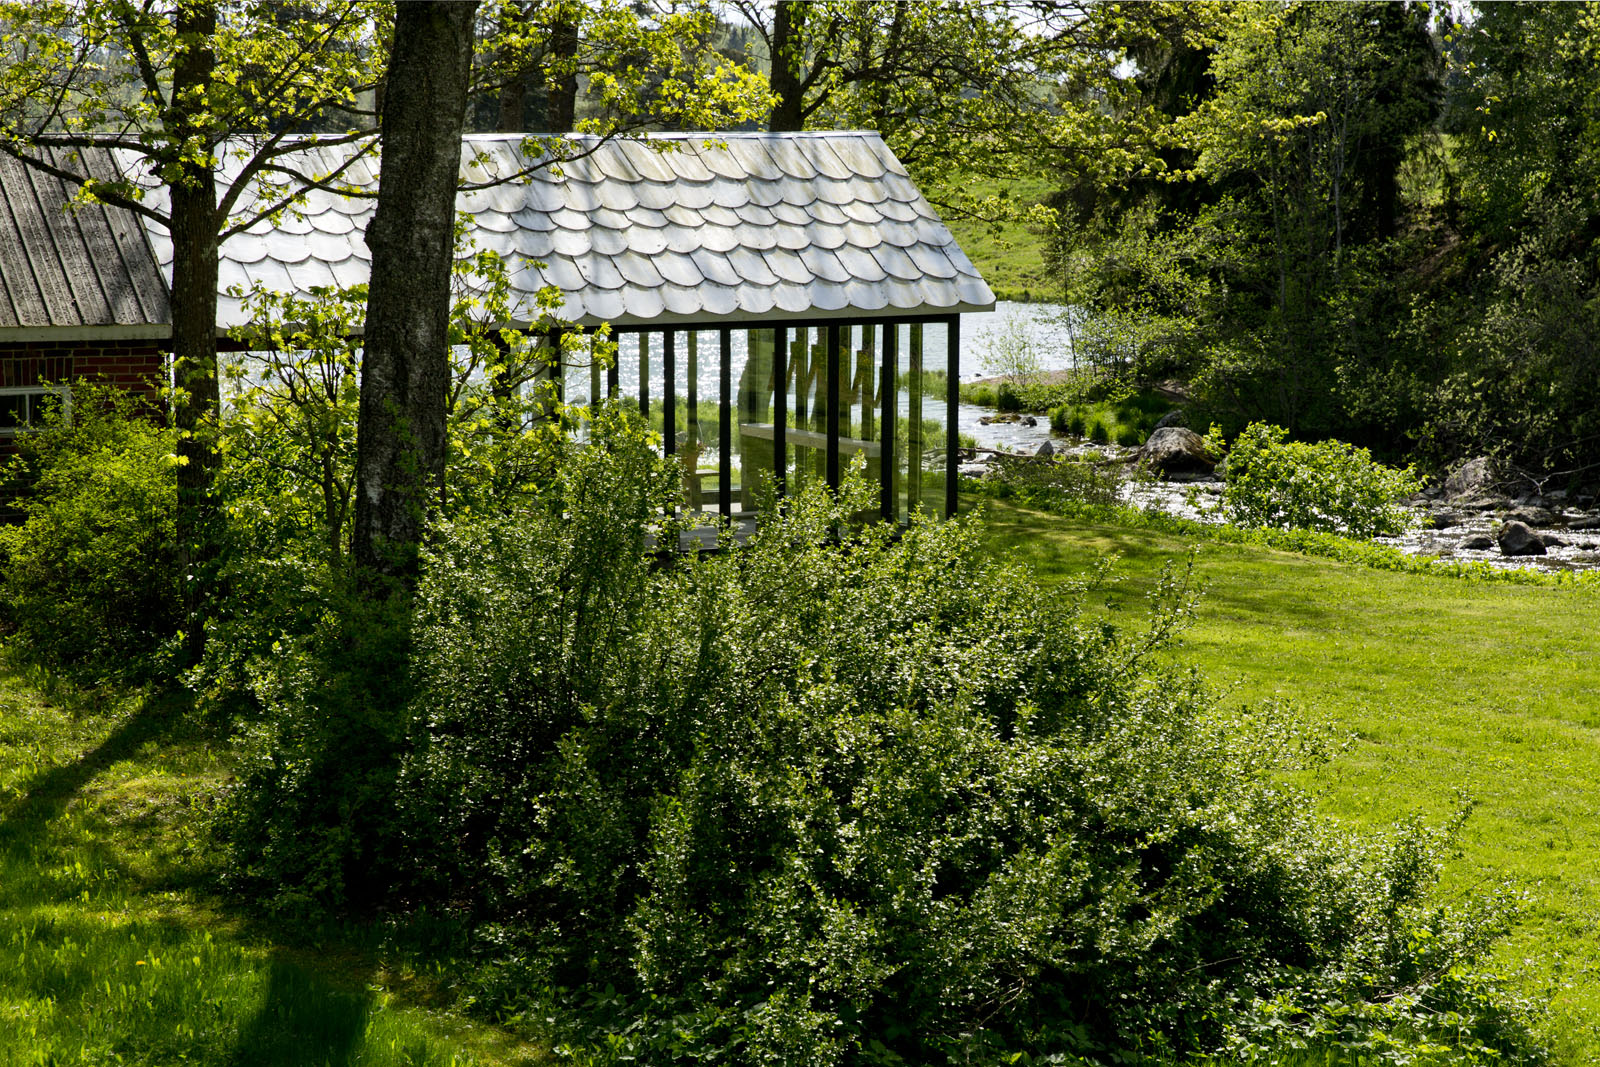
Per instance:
(138,366)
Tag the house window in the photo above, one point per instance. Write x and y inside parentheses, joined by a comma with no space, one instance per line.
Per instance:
(22,409)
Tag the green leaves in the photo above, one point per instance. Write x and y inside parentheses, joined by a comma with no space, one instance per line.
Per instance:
(1329,486)
(89,581)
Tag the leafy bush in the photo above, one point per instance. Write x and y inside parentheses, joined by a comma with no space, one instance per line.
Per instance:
(89,579)
(287,481)
(1007,398)
(981,394)
(1043,484)
(1128,417)
(1068,419)
(315,825)
(1329,486)
(807,802)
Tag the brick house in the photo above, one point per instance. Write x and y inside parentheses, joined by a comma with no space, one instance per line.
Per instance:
(81,294)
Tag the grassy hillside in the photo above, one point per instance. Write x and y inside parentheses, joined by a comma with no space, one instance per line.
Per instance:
(1010,256)
(1445,690)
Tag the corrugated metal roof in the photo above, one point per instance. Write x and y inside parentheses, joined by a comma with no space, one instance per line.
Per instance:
(73,268)
(697,229)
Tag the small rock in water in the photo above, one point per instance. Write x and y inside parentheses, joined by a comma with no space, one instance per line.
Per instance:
(1516,539)
(1029,420)
(1533,515)
(1552,541)
(1443,520)
(1479,501)
(1046,450)
(1479,543)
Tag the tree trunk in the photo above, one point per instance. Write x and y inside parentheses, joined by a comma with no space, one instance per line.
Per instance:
(511,111)
(561,112)
(194,317)
(788,20)
(405,369)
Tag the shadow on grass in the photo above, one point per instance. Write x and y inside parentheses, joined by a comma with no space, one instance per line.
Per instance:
(52,790)
(303,1020)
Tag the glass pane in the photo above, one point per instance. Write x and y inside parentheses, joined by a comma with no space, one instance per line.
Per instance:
(858,423)
(13,411)
(919,428)
(754,431)
(805,389)
(699,385)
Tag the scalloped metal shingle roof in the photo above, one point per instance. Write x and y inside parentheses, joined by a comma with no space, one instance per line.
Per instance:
(701,228)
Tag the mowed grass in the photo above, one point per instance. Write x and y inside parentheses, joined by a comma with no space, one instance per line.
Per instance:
(1445,689)
(111,951)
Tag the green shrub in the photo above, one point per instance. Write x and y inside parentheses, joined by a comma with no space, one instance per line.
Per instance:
(981,394)
(1128,417)
(808,802)
(1041,484)
(1008,398)
(1330,486)
(315,825)
(1098,433)
(89,581)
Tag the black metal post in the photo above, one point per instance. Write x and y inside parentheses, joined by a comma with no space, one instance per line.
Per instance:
(644,375)
(890,400)
(669,392)
(833,409)
(556,368)
(780,409)
(612,371)
(952,408)
(725,429)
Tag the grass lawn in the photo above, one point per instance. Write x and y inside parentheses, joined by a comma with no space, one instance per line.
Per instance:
(1445,688)
(110,952)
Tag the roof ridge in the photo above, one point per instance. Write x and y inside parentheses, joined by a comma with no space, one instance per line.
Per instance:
(679,135)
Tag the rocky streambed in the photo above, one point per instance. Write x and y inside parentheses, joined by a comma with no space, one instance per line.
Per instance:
(1468,518)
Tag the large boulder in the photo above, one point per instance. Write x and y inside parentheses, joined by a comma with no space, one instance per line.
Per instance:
(1176,450)
(1475,477)
(1516,539)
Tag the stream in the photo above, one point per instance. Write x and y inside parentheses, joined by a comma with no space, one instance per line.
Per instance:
(1451,531)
